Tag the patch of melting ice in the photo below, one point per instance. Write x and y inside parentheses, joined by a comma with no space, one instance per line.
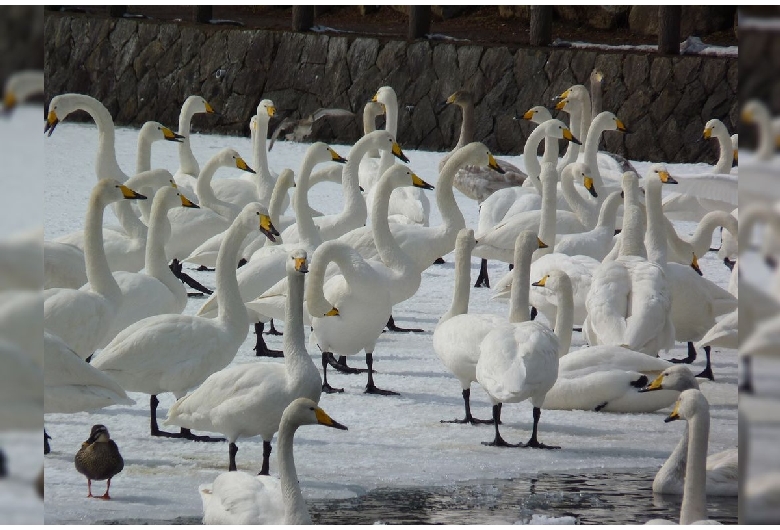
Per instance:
(615,497)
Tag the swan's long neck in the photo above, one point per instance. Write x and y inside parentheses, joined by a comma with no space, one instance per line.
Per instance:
(521,283)
(674,467)
(388,248)
(608,211)
(766,137)
(451,216)
(205,192)
(156,262)
(694,502)
(263,178)
(354,203)
(726,152)
(575,125)
(277,198)
(631,238)
(585,211)
(466,126)
(98,272)
(564,319)
(187,162)
(295,510)
(307,231)
(369,126)
(460,296)
(655,238)
(532,165)
(596,94)
(106,165)
(330,251)
(591,147)
(143,156)
(231,309)
(702,236)
(391,126)
(296,358)
(547,223)
(586,118)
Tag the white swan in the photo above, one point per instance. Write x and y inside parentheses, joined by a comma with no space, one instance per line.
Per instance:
(174,353)
(477,182)
(190,227)
(226,401)
(629,302)
(350,311)
(157,291)
(187,175)
(458,335)
(724,334)
(698,244)
(722,468)
(693,407)
(595,243)
(21,320)
(21,259)
(240,498)
(151,132)
(519,360)
(21,380)
(83,317)
(71,385)
(19,86)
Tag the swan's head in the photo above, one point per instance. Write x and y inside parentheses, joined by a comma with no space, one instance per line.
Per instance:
(254,215)
(572,98)
(266,109)
(373,109)
(465,241)
(322,152)
(554,280)
(526,243)
(297,262)
(735,147)
(629,182)
(110,190)
(154,178)
(477,154)
(304,411)
(286,178)
(59,107)
(537,114)
(611,122)
(713,127)
(153,131)
(580,171)
(558,129)
(689,404)
(398,176)
(171,197)
(98,433)
(386,96)
(754,111)
(461,98)
(659,171)
(385,141)
(230,158)
(677,377)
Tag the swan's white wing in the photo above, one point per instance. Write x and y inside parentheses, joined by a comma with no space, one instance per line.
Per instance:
(608,303)
(238,498)
(713,186)
(724,334)
(723,472)
(649,319)
(80,318)
(20,389)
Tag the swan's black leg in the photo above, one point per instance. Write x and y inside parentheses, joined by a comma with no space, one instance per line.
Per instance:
(498,441)
(746,385)
(232,450)
(729,263)
(691,355)
(534,313)
(483,280)
(186,279)
(325,386)
(469,418)
(241,263)
(46,447)
(203,268)
(392,327)
(343,368)
(534,442)
(261,349)
(707,372)
(273,331)
(438,261)
(153,402)
(371,387)
(266,469)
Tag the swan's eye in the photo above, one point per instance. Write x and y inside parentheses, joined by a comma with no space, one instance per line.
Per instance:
(311,408)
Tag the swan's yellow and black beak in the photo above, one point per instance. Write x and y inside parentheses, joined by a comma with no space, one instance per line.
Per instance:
(620,126)
(588,181)
(542,282)
(375,99)
(173,184)
(736,158)
(332,313)
(657,384)
(417,182)
(451,99)
(666,178)
(127,193)
(9,102)
(567,135)
(267,227)
(707,134)
(561,104)
(747,116)
(51,122)
(563,95)
(301,265)
(675,415)
(241,164)
(529,115)
(271,111)
(337,157)
(171,136)
(324,419)
(695,265)
(492,164)
(187,203)
(541,243)
(209,108)
(396,149)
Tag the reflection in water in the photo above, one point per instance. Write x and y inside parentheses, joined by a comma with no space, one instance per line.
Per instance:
(592,498)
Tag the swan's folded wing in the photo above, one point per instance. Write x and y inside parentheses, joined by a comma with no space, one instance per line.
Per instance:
(650,309)
(606,357)
(588,389)
(239,498)
(608,303)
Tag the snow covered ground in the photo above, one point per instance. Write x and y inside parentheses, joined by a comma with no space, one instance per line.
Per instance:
(394,441)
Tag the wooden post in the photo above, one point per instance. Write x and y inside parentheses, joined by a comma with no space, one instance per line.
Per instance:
(669,29)
(419,21)
(203,14)
(302,18)
(541,25)
(117,11)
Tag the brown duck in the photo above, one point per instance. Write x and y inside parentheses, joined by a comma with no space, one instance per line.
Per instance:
(99,458)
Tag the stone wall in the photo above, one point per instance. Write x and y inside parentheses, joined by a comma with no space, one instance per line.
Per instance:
(143,70)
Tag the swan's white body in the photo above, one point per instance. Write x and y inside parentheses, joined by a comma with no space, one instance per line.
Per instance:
(174,353)
(249,400)
(21,381)
(239,498)
(82,318)
(71,385)
(21,320)
(21,260)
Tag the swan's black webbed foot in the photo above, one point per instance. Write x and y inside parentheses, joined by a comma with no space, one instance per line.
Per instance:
(536,444)
(691,356)
(372,389)
(342,368)
(707,372)
(203,268)
(261,348)
(46,446)
(500,442)
(439,261)
(330,390)
(273,331)
(729,263)
(187,434)
(392,327)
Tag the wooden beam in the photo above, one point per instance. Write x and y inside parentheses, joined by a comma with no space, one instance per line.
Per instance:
(541,25)
(203,14)
(669,29)
(302,18)
(419,21)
